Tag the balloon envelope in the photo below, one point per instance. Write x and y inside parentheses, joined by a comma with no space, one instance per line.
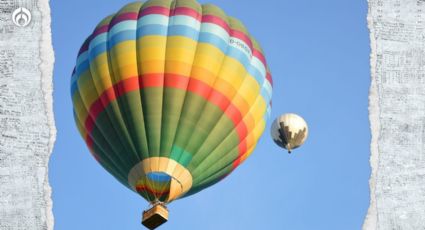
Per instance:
(170,96)
(289,131)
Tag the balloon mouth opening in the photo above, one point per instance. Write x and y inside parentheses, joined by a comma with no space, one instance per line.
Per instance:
(160,179)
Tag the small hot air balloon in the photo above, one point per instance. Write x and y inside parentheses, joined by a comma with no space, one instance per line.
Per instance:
(289,131)
(170,97)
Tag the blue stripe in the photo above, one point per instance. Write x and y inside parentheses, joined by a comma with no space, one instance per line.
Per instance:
(265,95)
(268,87)
(127,35)
(185,31)
(84,66)
(239,55)
(75,116)
(101,38)
(267,114)
(97,50)
(82,57)
(74,87)
(257,75)
(205,37)
(152,30)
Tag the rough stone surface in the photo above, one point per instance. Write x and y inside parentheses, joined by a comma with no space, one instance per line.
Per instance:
(397,115)
(27,130)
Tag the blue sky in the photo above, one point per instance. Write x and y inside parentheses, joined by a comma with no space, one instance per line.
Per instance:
(318,53)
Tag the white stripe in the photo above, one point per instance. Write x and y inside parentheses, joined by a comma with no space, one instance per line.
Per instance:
(185,21)
(98,40)
(153,19)
(122,26)
(216,30)
(268,88)
(259,66)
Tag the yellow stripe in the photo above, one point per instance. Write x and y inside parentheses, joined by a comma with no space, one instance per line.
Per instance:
(81,128)
(80,112)
(233,72)
(100,71)
(151,51)
(241,104)
(180,68)
(209,58)
(152,66)
(124,61)
(249,90)
(249,122)
(225,88)
(203,75)
(247,154)
(87,91)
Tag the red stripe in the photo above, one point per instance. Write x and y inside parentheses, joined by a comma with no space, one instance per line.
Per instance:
(102,29)
(123,17)
(200,87)
(216,20)
(269,78)
(89,142)
(242,147)
(260,56)
(85,46)
(155,10)
(172,81)
(220,100)
(234,113)
(237,162)
(187,12)
(151,80)
(175,81)
(256,53)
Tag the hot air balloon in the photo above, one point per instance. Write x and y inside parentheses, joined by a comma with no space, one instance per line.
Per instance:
(170,97)
(289,131)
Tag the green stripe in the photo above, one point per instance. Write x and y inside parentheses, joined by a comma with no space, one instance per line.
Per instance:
(210,181)
(163,3)
(188,129)
(131,7)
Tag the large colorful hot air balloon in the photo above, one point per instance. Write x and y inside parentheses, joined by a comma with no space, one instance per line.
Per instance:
(170,96)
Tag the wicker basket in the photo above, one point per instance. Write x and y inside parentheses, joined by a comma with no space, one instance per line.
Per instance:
(155,216)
